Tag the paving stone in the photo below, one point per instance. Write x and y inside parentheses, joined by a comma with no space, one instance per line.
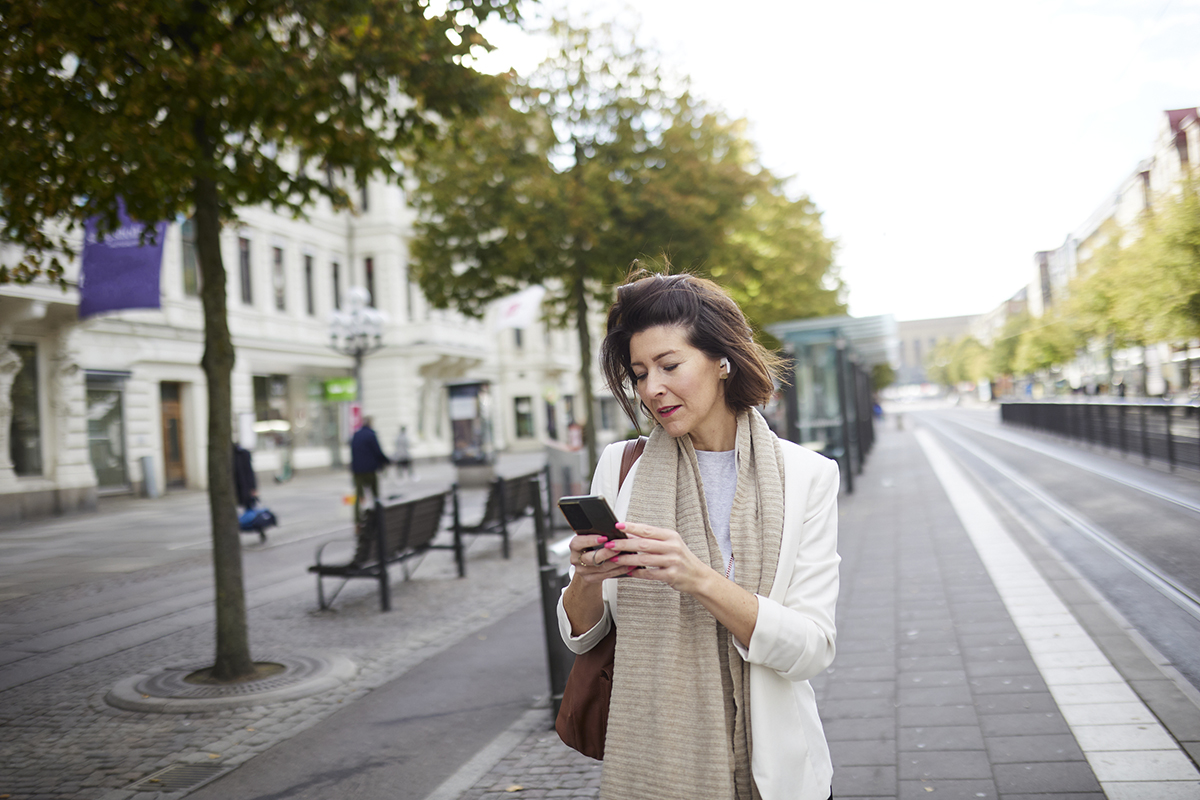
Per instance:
(944,764)
(942,737)
(1047,778)
(1033,747)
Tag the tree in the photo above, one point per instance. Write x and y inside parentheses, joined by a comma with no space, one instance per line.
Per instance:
(198,108)
(1001,359)
(1051,342)
(777,262)
(591,163)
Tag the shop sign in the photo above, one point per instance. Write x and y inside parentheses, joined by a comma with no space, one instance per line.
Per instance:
(341,389)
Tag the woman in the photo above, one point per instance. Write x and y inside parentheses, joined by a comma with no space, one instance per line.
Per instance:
(729,574)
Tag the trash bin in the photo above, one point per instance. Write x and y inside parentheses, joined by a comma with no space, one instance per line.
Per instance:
(149,477)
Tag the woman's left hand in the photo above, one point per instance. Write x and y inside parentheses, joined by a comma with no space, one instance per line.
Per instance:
(647,546)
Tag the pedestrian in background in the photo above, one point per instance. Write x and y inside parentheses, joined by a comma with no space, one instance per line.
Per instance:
(729,576)
(402,455)
(366,459)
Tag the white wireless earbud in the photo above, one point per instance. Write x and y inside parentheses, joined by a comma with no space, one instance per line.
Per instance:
(724,364)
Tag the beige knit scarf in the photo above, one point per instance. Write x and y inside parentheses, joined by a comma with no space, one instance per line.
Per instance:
(679,720)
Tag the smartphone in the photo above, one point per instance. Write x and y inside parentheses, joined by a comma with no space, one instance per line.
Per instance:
(590,514)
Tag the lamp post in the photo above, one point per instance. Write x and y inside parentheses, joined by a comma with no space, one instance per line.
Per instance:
(357,332)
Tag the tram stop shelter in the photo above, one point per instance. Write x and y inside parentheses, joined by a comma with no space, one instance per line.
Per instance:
(830,402)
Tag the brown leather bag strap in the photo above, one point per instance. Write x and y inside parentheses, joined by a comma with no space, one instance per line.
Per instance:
(633,451)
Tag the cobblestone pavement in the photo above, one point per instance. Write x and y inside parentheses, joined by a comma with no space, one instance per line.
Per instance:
(59,740)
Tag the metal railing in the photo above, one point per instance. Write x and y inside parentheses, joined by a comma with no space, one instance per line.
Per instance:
(1163,432)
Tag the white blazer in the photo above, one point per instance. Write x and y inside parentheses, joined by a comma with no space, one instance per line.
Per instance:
(794,635)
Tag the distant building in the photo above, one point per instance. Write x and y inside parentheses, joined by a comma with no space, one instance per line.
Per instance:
(1152,369)
(918,338)
(117,403)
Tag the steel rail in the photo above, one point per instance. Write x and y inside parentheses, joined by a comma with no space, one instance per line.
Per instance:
(1181,595)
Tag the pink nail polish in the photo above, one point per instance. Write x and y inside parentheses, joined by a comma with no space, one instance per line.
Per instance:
(620,526)
(602,539)
(610,545)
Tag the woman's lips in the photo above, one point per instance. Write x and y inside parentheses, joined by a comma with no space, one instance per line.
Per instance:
(667,411)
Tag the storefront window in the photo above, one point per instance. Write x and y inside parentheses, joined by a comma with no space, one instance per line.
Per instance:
(272,416)
(470,414)
(106,432)
(25,429)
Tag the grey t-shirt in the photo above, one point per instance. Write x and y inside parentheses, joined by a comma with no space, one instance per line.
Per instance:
(718,474)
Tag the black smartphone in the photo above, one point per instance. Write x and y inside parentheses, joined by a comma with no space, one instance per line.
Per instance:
(590,514)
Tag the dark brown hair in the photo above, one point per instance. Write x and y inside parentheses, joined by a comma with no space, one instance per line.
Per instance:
(713,323)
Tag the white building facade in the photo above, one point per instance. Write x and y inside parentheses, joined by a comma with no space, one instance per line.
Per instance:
(116,403)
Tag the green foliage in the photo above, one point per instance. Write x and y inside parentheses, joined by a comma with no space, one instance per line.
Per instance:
(142,97)
(1052,342)
(590,163)
(882,376)
(962,360)
(1001,358)
(198,108)
(1149,288)
(776,262)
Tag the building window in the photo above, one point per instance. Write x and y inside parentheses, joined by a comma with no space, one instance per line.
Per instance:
(278,279)
(337,286)
(369,272)
(365,199)
(524,409)
(244,269)
(569,407)
(191,274)
(917,353)
(25,428)
(518,338)
(308,285)
(551,420)
(608,414)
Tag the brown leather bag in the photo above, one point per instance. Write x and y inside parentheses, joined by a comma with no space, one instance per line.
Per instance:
(582,720)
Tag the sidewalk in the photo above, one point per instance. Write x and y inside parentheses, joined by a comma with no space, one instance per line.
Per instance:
(935,691)
(962,671)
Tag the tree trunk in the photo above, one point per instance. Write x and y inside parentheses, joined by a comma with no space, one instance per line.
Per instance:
(585,369)
(233,647)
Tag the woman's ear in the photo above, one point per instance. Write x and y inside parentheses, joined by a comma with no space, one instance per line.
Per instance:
(726,368)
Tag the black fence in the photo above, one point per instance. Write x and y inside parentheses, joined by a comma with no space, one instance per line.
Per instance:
(1162,432)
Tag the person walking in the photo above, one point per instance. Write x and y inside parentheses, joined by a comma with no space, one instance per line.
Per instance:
(723,593)
(366,459)
(402,455)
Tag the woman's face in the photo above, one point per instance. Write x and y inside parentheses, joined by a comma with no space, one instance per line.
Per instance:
(682,387)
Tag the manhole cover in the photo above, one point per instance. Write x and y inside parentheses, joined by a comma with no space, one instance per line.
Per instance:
(179,776)
(170,682)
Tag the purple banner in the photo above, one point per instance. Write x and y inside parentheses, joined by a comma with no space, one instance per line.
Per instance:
(118,272)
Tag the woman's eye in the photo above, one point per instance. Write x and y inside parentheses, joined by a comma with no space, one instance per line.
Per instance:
(638,378)
(670,367)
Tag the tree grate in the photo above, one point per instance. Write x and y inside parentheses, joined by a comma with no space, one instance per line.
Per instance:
(177,777)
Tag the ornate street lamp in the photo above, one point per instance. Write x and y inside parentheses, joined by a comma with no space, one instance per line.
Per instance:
(357,332)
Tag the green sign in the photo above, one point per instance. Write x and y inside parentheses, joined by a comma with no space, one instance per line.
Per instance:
(338,389)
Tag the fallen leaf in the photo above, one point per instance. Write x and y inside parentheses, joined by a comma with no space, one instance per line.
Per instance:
(214,755)
(515,788)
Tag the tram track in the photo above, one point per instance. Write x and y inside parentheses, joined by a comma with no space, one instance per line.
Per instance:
(1145,568)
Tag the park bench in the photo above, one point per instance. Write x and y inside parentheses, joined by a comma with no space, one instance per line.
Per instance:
(508,500)
(390,533)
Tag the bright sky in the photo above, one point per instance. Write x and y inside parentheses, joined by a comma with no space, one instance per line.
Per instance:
(946,142)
